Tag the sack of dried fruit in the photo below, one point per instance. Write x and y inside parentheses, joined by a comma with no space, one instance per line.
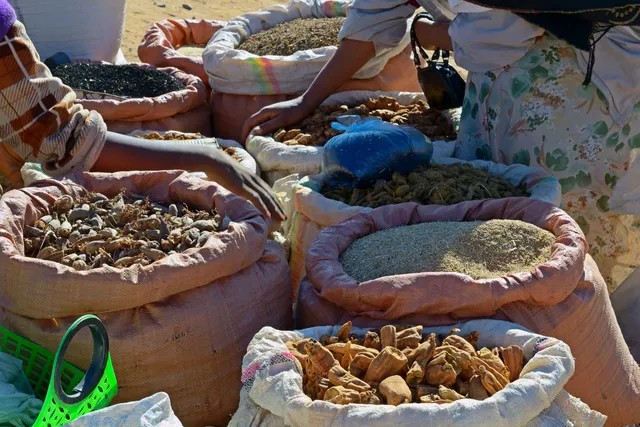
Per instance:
(564,297)
(265,55)
(232,148)
(197,288)
(310,207)
(140,96)
(315,377)
(161,44)
(300,150)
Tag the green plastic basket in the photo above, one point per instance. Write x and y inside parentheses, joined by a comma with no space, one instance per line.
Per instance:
(66,392)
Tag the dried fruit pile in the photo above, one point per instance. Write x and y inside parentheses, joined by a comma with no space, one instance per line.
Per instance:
(433,185)
(180,136)
(97,231)
(290,37)
(127,81)
(316,129)
(397,365)
(480,249)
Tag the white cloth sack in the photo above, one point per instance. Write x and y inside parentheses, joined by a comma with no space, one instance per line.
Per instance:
(231,70)
(277,160)
(272,393)
(82,29)
(152,411)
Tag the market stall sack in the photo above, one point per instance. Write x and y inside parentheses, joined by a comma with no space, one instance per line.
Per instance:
(483,372)
(244,82)
(179,324)
(564,297)
(145,99)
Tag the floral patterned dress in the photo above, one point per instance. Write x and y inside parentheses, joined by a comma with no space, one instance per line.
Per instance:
(537,112)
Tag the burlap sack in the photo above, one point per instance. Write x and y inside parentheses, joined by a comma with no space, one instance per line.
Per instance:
(179,325)
(273,396)
(308,211)
(185,110)
(160,44)
(564,298)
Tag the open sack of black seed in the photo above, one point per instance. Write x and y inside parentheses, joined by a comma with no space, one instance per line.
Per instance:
(139,96)
(409,376)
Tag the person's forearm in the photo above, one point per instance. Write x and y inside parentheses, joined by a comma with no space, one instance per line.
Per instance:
(434,36)
(126,153)
(350,57)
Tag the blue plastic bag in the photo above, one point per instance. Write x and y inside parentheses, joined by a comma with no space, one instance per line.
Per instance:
(371,149)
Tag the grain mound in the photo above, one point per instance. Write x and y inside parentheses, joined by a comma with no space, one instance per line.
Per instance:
(316,129)
(128,81)
(290,37)
(432,185)
(480,249)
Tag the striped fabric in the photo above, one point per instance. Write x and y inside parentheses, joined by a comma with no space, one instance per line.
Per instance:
(39,119)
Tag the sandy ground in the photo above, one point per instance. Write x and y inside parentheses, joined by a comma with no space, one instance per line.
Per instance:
(142,13)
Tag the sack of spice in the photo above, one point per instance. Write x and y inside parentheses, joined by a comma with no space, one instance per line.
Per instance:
(283,154)
(177,324)
(166,44)
(262,57)
(564,297)
(232,148)
(139,96)
(280,367)
(310,207)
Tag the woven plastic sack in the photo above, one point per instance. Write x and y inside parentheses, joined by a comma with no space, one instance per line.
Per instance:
(185,110)
(92,29)
(309,211)
(565,297)
(278,160)
(179,325)
(162,40)
(272,394)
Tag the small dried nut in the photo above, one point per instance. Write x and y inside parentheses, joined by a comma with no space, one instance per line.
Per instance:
(63,203)
(290,142)
(434,399)
(389,362)
(361,363)
(153,254)
(344,332)
(395,391)
(279,135)
(441,375)
(415,374)
(489,381)
(320,359)
(372,340)
(203,225)
(369,397)
(204,237)
(341,396)
(291,134)
(124,262)
(50,254)
(493,360)
(339,376)
(424,352)
(173,210)
(80,265)
(513,358)
(410,337)
(322,385)
(476,389)
(304,139)
(95,246)
(459,342)
(425,390)
(82,212)
(340,348)
(449,394)
(30,231)
(388,336)
(347,357)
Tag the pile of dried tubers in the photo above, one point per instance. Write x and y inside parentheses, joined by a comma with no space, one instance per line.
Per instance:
(316,129)
(431,185)
(397,365)
(96,231)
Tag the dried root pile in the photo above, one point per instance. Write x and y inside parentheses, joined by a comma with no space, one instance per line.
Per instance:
(396,365)
(97,231)
(432,185)
(316,129)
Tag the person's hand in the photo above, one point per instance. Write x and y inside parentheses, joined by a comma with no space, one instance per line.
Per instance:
(236,178)
(277,116)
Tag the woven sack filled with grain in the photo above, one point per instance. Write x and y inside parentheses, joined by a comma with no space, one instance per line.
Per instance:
(178,325)
(278,159)
(564,297)
(166,44)
(309,210)
(244,82)
(184,108)
(274,385)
